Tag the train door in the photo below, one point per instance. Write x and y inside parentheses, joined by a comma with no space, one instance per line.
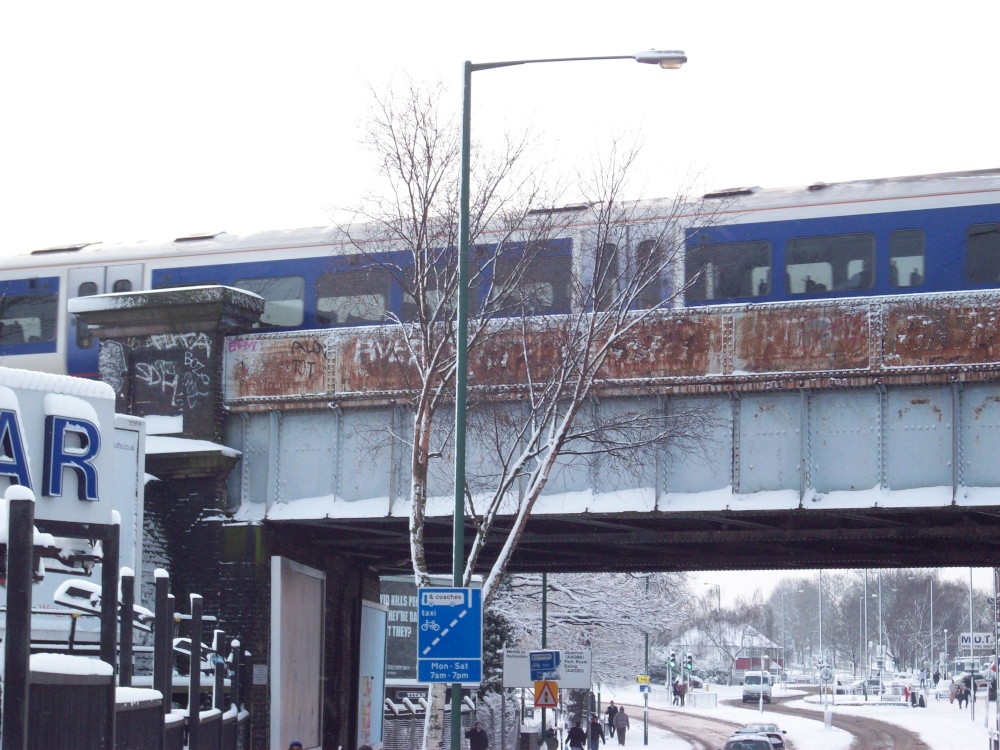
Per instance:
(81,346)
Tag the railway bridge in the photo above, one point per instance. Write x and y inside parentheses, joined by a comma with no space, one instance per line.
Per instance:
(860,433)
(848,433)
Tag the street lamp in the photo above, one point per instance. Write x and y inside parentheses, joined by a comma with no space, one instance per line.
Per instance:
(669,59)
(946,652)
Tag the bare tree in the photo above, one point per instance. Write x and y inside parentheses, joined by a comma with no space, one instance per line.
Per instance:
(545,326)
(609,613)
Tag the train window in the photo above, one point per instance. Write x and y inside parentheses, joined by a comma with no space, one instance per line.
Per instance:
(284,299)
(84,339)
(28,318)
(906,257)
(121,285)
(352,297)
(834,262)
(982,254)
(647,268)
(606,282)
(729,270)
(433,297)
(543,284)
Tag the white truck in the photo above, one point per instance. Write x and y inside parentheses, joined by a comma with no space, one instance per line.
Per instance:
(755,684)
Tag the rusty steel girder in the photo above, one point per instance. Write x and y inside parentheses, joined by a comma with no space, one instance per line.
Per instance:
(823,344)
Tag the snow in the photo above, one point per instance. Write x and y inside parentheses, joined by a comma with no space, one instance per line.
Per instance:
(66,664)
(159,424)
(71,407)
(160,573)
(639,500)
(47,383)
(129,695)
(19,492)
(159,444)
(941,726)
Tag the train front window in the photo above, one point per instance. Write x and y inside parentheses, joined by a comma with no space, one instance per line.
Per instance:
(982,254)
(835,262)
(730,270)
(284,299)
(28,318)
(906,258)
(352,297)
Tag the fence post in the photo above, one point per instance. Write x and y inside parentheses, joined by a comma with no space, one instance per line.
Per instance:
(171,629)
(109,615)
(17,643)
(125,625)
(194,675)
(219,689)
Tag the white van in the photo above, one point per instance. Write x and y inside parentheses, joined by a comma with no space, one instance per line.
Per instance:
(755,684)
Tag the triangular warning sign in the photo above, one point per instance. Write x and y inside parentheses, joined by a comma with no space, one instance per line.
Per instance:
(546,694)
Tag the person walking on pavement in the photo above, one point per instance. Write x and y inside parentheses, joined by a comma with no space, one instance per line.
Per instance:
(550,742)
(612,712)
(681,691)
(596,732)
(478,739)
(621,724)
(677,692)
(576,737)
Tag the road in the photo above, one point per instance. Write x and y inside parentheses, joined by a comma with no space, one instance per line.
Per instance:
(706,733)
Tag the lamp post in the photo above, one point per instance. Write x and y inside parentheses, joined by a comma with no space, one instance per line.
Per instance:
(665,59)
(946,652)
(718,597)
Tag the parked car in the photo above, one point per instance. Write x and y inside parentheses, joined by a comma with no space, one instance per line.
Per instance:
(773,733)
(748,742)
(873,686)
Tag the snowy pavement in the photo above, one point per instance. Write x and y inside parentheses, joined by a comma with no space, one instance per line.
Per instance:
(942,726)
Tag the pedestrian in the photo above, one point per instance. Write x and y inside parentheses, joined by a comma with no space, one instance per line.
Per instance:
(677,692)
(621,724)
(478,739)
(576,737)
(937,677)
(952,691)
(596,732)
(682,691)
(550,742)
(295,745)
(923,679)
(612,712)
(963,696)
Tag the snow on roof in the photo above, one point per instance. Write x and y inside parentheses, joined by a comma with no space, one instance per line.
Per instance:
(160,444)
(61,384)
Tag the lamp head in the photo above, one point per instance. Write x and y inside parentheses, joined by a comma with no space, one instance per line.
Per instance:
(668,59)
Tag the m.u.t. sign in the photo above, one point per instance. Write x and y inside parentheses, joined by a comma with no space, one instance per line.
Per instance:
(51,442)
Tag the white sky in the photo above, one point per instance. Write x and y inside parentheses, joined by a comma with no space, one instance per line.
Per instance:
(132,120)
(735,584)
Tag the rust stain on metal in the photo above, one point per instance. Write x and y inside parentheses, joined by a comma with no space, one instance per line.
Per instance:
(276,366)
(922,332)
(671,346)
(373,360)
(802,339)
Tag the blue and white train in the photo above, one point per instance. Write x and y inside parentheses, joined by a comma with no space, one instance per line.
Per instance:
(893,236)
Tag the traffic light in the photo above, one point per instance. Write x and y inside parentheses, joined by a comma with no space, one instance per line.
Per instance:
(689,663)
(673,660)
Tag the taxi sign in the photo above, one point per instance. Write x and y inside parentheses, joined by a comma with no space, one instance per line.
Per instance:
(546,694)
(642,679)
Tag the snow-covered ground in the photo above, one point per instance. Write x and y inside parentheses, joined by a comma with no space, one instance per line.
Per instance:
(942,726)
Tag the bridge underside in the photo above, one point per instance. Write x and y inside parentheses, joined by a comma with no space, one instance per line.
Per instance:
(669,541)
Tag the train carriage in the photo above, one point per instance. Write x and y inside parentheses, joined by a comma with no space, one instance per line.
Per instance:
(891,236)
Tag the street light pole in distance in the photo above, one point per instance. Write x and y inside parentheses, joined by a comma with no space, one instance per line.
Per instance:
(666,59)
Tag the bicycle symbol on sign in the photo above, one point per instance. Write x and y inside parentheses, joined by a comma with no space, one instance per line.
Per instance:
(430,625)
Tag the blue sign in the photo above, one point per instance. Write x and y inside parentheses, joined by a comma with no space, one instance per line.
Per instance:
(449,635)
(645,688)
(544,665)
